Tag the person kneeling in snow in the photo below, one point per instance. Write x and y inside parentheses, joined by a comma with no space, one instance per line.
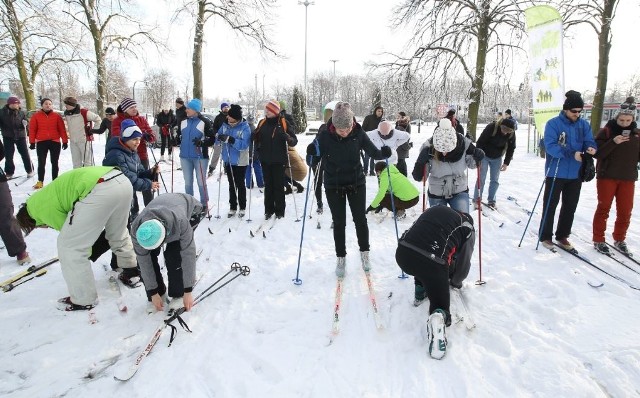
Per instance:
(405,194)
(437,250)
(80,204)
(168,219)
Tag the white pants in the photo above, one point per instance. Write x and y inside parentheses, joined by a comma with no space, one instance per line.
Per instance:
(81,153)
(106,207)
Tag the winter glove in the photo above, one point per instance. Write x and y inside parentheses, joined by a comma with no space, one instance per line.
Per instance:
(370,208)
(222,137)
(32,146)
(89,136)
(478,155)
(197,142)
(65,146)
(386,151)
(425,156)
(148,137)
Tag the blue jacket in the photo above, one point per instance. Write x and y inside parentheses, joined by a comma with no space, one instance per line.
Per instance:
(578,138)
(196,127)
(237,154)
(128,161)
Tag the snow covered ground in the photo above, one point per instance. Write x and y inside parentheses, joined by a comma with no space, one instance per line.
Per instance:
(542,331)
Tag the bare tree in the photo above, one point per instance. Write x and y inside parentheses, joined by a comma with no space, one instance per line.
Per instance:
(245,17)
(597,14)
(110,29)
(160,88)
(30,33)
(473,30)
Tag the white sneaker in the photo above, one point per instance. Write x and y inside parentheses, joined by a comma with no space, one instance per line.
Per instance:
(341,267)
(436,334)
(29,175)
(175,304)
(366,265)
(241,213)
(231,213)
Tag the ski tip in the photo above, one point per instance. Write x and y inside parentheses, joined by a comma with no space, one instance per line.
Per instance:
(210,231)
(595,284)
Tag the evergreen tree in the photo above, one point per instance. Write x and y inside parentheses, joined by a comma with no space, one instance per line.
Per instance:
(298,110)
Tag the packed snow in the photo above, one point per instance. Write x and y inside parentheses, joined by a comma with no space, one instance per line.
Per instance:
(541,329)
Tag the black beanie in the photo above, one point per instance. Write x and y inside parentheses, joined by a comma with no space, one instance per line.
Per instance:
(508,123)
(235,111)
(573,100)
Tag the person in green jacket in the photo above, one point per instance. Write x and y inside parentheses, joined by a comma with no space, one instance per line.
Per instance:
(80,204)
(405,194)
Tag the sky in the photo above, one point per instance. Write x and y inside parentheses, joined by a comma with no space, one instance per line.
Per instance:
(353,32)
(541,329)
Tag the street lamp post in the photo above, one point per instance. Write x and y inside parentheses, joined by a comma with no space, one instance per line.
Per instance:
(334,77)
(306,5)
(134,87)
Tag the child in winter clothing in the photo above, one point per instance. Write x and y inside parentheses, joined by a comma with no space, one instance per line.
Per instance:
(437,251)
(405,194)
(80,204)
(170,220)
(235,135)
(618,156)
(444,160)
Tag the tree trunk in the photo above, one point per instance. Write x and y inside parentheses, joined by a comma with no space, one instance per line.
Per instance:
(198,38)
(477,83)
(604,47)
(96,35)
(15,30)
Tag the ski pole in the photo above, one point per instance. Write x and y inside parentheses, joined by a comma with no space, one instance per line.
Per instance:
(160,174)
(204,183)
(546,210)
(250,187)
(297,280)
(393,209)
(424,185)
(478,203)
(219,182)
(295,206)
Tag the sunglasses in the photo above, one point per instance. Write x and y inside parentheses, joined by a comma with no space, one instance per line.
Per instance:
(628,106)
(575,111)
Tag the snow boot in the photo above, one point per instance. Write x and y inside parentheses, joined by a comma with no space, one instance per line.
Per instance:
(30,174)
(65,304)
(366,264)
(622,246)
(492,205)
(436,334)
(231,213)
(341,266)
(23,258)
(548,244)
(241,213)
(420,294)
(130,277)
(566,245)
(601,247)
(38,185)
(400,214)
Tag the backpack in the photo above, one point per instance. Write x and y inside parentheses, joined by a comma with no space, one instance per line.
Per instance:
(587,169)
(283,123)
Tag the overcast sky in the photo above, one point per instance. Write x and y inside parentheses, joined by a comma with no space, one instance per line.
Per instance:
(353,32)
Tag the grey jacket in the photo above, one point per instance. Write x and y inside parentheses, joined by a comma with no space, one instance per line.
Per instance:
(174,210)
(449,178)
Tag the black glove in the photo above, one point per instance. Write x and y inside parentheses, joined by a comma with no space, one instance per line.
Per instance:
(386,151)
(370,208)
(222,137)
(178,139)
(32,146)
(65,146)
(478,155)
(230,140)
(148,137)
(197,142)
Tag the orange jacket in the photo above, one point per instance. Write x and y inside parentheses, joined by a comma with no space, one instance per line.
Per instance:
(47,127)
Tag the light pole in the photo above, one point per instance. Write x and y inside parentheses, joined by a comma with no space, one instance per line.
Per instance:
(334,76)
(134,87)
(306,4)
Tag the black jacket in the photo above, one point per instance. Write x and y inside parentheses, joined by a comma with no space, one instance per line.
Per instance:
(495,144)
(181,114)
(168,118)
(341,156)
(11,123)
(272,139)
(371,122)
(219,120)
(446,237)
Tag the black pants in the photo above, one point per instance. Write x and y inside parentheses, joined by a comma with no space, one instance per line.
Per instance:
(402,166)
(368,164)
(10,144)
(147,196)
(273,189)
(570,191)
(432,276)
(9,230)
(237,189)
(173,263)
(398,203)
(42,149)
(165,141)
(337,199)
(318,176)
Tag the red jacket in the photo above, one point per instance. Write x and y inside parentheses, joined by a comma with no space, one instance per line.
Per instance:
(47,127)
(140,122)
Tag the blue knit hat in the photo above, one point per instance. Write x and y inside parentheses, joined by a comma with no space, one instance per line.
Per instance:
(129,130)
(151,234)
(195,104)
(224,105)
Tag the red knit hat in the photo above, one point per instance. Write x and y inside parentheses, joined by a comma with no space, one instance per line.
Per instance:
(273,106)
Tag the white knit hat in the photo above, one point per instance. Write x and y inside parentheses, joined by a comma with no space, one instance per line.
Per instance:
(445,137)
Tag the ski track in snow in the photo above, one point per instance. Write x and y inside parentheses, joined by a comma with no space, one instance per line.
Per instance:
(541,329)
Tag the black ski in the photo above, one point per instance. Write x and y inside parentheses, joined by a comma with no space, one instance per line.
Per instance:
(575,253)
(14,178)
(26,273)
(627,255)
(616,259)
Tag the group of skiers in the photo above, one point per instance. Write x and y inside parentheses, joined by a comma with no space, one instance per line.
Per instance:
(95,207)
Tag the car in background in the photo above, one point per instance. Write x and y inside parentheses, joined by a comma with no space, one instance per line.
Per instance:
(416,122)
